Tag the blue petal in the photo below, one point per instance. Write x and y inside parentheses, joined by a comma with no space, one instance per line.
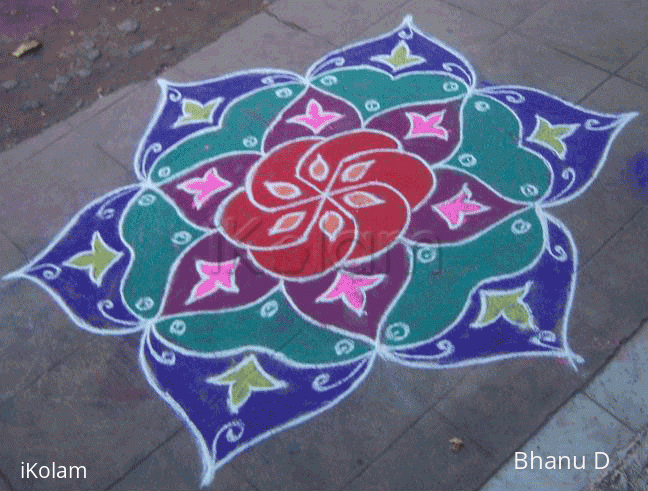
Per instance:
(586,148)
(95,307)
(220,432)
(161,133)
(552,278)
(438,57)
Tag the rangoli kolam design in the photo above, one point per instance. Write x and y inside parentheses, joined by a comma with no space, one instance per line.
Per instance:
(286,230)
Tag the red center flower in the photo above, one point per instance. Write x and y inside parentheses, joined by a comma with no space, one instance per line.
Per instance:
(313,204)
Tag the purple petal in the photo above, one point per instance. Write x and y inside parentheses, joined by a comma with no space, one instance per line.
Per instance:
(587,140)
(394,265)
(283,130)
(437,56)
(162,134)
(431,148)
(223,430)
(93,302)
(550,282)
(251,282)
(201,209)
(428,225)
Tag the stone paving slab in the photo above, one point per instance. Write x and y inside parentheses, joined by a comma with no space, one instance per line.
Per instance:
(519,60)
(610,300)
(87,411)
(606,34)
(628,472)
(622,387)
(35,336)
(261,42)
(101,104)
(52,186)
(329,450)
(423,459)
(581,428)
(505,12)
(462,31)
(12,158)
(175,467)
(12,258)
(637,69)
(118,128)
(336,22)
(499,405)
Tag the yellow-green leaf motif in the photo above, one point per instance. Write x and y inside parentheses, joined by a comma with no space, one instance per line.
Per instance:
(195,112)
(246,377)
(508,304)
(96,261)
(400,57)
(552,136)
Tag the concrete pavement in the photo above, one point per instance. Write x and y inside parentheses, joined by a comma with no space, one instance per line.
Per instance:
(71,397)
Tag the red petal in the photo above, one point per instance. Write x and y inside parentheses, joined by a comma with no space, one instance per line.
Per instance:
(245,224)
(404,172)
(314,256)
(379,225)
(279,167)
(334,150)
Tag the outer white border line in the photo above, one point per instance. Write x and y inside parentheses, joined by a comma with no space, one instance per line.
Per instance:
(407,22)
(210,465)
(22,272)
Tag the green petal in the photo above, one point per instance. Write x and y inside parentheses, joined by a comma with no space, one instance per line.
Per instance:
(490,151)
(158,235)
(438,291)
(245,120)
(272,323)
(371,91)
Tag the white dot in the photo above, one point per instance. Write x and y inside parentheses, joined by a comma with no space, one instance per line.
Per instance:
(146,200)
(181,238)
(144,304)
(329,80)
(520,226)
(482,106)
(283,93)
(529,190)
(451,86)
(467,160)
(372,105)
(426,255)
(178,327)
(269,309)
(250,141)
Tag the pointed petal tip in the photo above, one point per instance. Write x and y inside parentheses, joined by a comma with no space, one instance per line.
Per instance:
(408,20)
(14,275)
(208,476)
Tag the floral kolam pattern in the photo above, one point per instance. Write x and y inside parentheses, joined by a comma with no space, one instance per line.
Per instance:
(286,230)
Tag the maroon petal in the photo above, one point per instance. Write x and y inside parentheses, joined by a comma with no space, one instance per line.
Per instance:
(460,208)
(389,273)
(248,283)
(199,203)
(431,131)
(328,116)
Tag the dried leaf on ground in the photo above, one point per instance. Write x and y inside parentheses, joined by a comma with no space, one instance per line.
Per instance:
(26,47)
(456,444)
